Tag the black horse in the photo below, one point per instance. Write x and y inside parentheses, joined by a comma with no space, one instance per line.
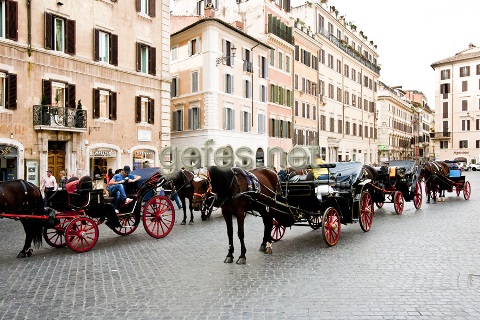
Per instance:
(238,192)
(22,198)
(433,173)
(182,185)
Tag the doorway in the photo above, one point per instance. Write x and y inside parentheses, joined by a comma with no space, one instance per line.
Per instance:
(56,158)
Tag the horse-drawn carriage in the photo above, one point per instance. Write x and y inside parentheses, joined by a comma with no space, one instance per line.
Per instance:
(397,183)
(343,197)
(72,218)
(441,176)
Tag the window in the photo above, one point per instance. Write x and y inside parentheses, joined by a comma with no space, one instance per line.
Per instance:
(263,67)
(464,105)
(463,144)
(9,20)
(263,93)
(443,144)
(194,81)
(339,95)
(194,118)
(321,57)
(346,71)
(194,46)
(321,23)
(59,34)
(280,61)
(445,74)
(287,63)
(477,123)
(229,83)
(144,110)
(146,59)
(477,144)
(323,122)
(365,81)
(246,121)
(314,112)
(478,69)
(247,60)
(174,52)
(177,120)
(332,125)
(330,61)
(465,71)
(146,7)
(339,66)
(340,126)
(8,91)
(354,75)
(272,57)
(104,104)
(174,87)
(261,123)
(331,90)
(354,129)
(354,100)
(304,106)
(347,98)
(330,28)
(464,86)
(465,125)
(106,47)
(229,119)
(247,88)
(58,93)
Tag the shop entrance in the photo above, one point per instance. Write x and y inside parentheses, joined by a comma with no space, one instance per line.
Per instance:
(8,163)
(56,158)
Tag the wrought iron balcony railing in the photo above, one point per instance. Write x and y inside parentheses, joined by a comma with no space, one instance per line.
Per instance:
(440,135)
(59,118)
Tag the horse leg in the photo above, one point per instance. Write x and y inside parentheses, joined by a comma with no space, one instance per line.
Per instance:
(227,216)
(241,235)
(266,245)
(190,200)
(27,250)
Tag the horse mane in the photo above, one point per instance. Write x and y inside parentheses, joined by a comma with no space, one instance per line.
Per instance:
(371,172)
(221,179)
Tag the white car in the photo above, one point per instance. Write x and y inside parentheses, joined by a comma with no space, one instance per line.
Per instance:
(473,167)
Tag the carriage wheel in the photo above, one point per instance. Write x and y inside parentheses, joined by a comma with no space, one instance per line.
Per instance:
(55,236)
(417,198)
(127,223)
(331,226)
(467,190)
(366,211)
(398,202)
(158,217)
(379,204)
(315,222)
(277,231)
(81,234)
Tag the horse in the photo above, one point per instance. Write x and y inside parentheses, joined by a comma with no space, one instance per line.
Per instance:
(432,173)
(23,198)
(182,184)
(236,192)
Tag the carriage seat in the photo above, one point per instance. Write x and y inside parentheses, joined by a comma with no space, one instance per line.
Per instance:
(57,200)
(303,177)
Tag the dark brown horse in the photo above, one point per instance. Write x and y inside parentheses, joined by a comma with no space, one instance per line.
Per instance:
(23,199)
(433,173)
(237,192)
(182,181)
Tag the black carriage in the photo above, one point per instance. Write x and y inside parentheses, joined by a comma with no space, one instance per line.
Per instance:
(398,183)
(345,197)
(454,182)
(74,217)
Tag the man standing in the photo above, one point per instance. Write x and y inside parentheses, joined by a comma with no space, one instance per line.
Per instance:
(49,183)
(116,186)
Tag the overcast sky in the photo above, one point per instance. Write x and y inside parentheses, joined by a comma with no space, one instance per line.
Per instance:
(412,34)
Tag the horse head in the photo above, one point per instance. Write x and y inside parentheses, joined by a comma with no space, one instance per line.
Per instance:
(202,189)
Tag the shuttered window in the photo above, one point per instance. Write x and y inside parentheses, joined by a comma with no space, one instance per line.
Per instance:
(104,104)
(146,59)
(9,20)
(8,91)
(105,47)
(60,33)
(144,110)
(146,7)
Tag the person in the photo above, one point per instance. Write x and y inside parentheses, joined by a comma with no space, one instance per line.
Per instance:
(109,176)
(49,183)
(116,187)
(175,197)
(320,173)
(384,168)
(63,180)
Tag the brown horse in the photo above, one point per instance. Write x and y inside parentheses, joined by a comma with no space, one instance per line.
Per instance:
(237,192)
(433,173)
(22,198)
(182,181)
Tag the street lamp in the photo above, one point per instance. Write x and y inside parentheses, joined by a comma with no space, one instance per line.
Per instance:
(222,59)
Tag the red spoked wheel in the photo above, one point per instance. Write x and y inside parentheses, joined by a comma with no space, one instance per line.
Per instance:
(417,198)
(398,202)
(315,222)
(55,236)
(158,217)
(277,231)
(366,211)
(467,190)
(379,204)
(81,234)
(127,223)
(331,226)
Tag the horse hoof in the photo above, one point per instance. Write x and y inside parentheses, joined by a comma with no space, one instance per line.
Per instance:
(268,250)
(242,261)
(29,252)
(228,260)
(183,223)
(191,222)
(21,254)
(428,201)
(204,218)
(262,248)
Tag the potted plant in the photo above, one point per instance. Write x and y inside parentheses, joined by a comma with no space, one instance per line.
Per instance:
(79,115)
(45,112)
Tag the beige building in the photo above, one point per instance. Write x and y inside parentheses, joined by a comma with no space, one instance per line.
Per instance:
(457,101)
(84,86)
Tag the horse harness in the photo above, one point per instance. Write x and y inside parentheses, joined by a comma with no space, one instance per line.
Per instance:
(25,199)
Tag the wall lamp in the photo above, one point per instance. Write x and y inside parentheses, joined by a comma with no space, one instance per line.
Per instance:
(59,3)
(222,59)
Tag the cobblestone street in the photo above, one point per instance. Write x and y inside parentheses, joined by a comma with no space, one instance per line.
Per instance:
(419,265)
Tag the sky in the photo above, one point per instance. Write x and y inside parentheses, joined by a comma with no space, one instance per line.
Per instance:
(413,34)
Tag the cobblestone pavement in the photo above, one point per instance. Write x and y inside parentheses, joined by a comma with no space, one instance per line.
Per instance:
(422,264)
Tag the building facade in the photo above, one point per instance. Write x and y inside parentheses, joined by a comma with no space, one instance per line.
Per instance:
(457,101)
(81,89)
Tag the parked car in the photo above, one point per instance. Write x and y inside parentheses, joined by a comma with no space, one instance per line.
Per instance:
(473,167)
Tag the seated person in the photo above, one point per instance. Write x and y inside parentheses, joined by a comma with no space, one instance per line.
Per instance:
(384,168)
(116,189)
(320,173)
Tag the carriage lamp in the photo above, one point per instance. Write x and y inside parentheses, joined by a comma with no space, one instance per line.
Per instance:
(223,59)
(401,172)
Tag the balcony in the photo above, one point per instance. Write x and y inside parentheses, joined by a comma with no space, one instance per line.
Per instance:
(46,117)
(282,34)
(247,66)
(440,135)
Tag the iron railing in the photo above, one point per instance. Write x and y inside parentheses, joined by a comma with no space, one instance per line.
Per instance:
(59,117)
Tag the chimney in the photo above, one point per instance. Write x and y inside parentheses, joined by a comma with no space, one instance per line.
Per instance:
(238,25)
(209,10)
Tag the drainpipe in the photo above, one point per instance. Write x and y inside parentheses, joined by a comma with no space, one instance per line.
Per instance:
(29,27)
(251,53)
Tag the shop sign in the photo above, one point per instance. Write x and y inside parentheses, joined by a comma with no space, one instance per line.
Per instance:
(8,151)
(103,153)
(143,154)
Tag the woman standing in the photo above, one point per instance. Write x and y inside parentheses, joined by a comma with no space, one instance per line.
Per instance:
(63,180)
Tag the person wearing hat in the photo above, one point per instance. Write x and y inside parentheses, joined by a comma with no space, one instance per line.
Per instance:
(49,183)
(384,168)
(116,186)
